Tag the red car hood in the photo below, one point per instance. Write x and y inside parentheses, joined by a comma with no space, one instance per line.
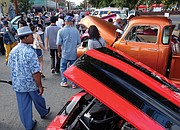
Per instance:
(107,30)
(102,73)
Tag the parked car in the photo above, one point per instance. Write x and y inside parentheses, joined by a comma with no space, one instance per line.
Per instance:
(104,11)
(120,93)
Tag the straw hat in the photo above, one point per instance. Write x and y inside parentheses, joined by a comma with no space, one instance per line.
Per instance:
(24,31)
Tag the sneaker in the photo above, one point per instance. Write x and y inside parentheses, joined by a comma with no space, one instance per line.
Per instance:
(65,84)
(42,75)
(53,71)
(73,86)
(57,73)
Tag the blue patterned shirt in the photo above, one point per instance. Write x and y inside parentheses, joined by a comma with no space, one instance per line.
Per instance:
(23,63)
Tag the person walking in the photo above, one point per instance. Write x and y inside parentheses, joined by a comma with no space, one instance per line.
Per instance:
(95,40)
(38,46)
(60,21)
(8,38)
(26,79)
(50,42)
(67,40)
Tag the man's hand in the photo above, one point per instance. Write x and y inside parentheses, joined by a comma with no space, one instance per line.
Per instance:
(59,51)
(47,48)
(59,54)
(41,90)
(7,29)
(37,78)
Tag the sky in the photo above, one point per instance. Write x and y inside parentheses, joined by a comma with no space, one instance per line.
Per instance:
(77,1)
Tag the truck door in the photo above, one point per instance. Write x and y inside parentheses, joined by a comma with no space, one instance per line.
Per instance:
(141,43)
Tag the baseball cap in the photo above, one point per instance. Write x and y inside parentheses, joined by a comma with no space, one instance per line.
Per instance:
(68,18)
(24,31)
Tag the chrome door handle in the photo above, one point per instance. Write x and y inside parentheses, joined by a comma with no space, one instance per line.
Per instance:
(152,49)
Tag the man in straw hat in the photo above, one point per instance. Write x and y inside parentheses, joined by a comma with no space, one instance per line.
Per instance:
(26,79)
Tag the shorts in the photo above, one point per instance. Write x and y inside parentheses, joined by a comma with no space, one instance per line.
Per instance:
(39,52)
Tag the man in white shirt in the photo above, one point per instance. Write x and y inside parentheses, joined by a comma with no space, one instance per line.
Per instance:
(60,22)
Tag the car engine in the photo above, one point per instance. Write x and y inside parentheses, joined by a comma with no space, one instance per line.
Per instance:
(91,114)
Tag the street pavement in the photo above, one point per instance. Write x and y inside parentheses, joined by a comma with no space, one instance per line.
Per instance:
(55,96)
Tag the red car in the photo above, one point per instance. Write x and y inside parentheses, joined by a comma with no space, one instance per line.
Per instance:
(120,93)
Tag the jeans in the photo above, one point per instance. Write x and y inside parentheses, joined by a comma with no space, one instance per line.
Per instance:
(64,65)
(54,54)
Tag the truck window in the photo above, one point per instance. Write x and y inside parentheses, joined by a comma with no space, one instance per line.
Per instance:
(145,34)
(166,35)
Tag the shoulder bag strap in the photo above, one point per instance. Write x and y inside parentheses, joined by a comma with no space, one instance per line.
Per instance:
(99,42)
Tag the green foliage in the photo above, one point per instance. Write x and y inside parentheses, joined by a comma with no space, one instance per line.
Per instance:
(113,3)
(129,3)
(24,5)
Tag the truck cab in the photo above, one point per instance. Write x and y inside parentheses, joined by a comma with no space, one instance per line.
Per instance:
(148,39)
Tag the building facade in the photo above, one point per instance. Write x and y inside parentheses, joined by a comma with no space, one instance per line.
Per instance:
(4,6)
(50,4)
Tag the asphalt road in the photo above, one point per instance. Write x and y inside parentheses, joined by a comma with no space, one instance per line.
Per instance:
(55,96)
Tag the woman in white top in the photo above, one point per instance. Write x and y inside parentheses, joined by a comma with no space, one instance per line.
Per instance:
(38,46)
(95,40)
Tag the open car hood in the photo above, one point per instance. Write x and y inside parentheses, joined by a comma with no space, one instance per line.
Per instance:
(128,87)
(107,30)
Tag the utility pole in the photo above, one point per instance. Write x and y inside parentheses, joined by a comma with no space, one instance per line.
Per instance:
(57,4)
(46,5)
(16,6)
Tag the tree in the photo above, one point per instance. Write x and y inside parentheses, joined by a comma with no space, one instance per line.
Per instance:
(130,3)
(125,3)
(24,5)
(113,3)
(101,3)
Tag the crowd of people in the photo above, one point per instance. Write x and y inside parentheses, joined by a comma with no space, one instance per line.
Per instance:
(25,47)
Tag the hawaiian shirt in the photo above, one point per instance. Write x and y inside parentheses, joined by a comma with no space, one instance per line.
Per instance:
(23,63)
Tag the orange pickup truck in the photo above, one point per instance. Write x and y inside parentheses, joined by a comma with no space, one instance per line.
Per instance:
(147,39)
